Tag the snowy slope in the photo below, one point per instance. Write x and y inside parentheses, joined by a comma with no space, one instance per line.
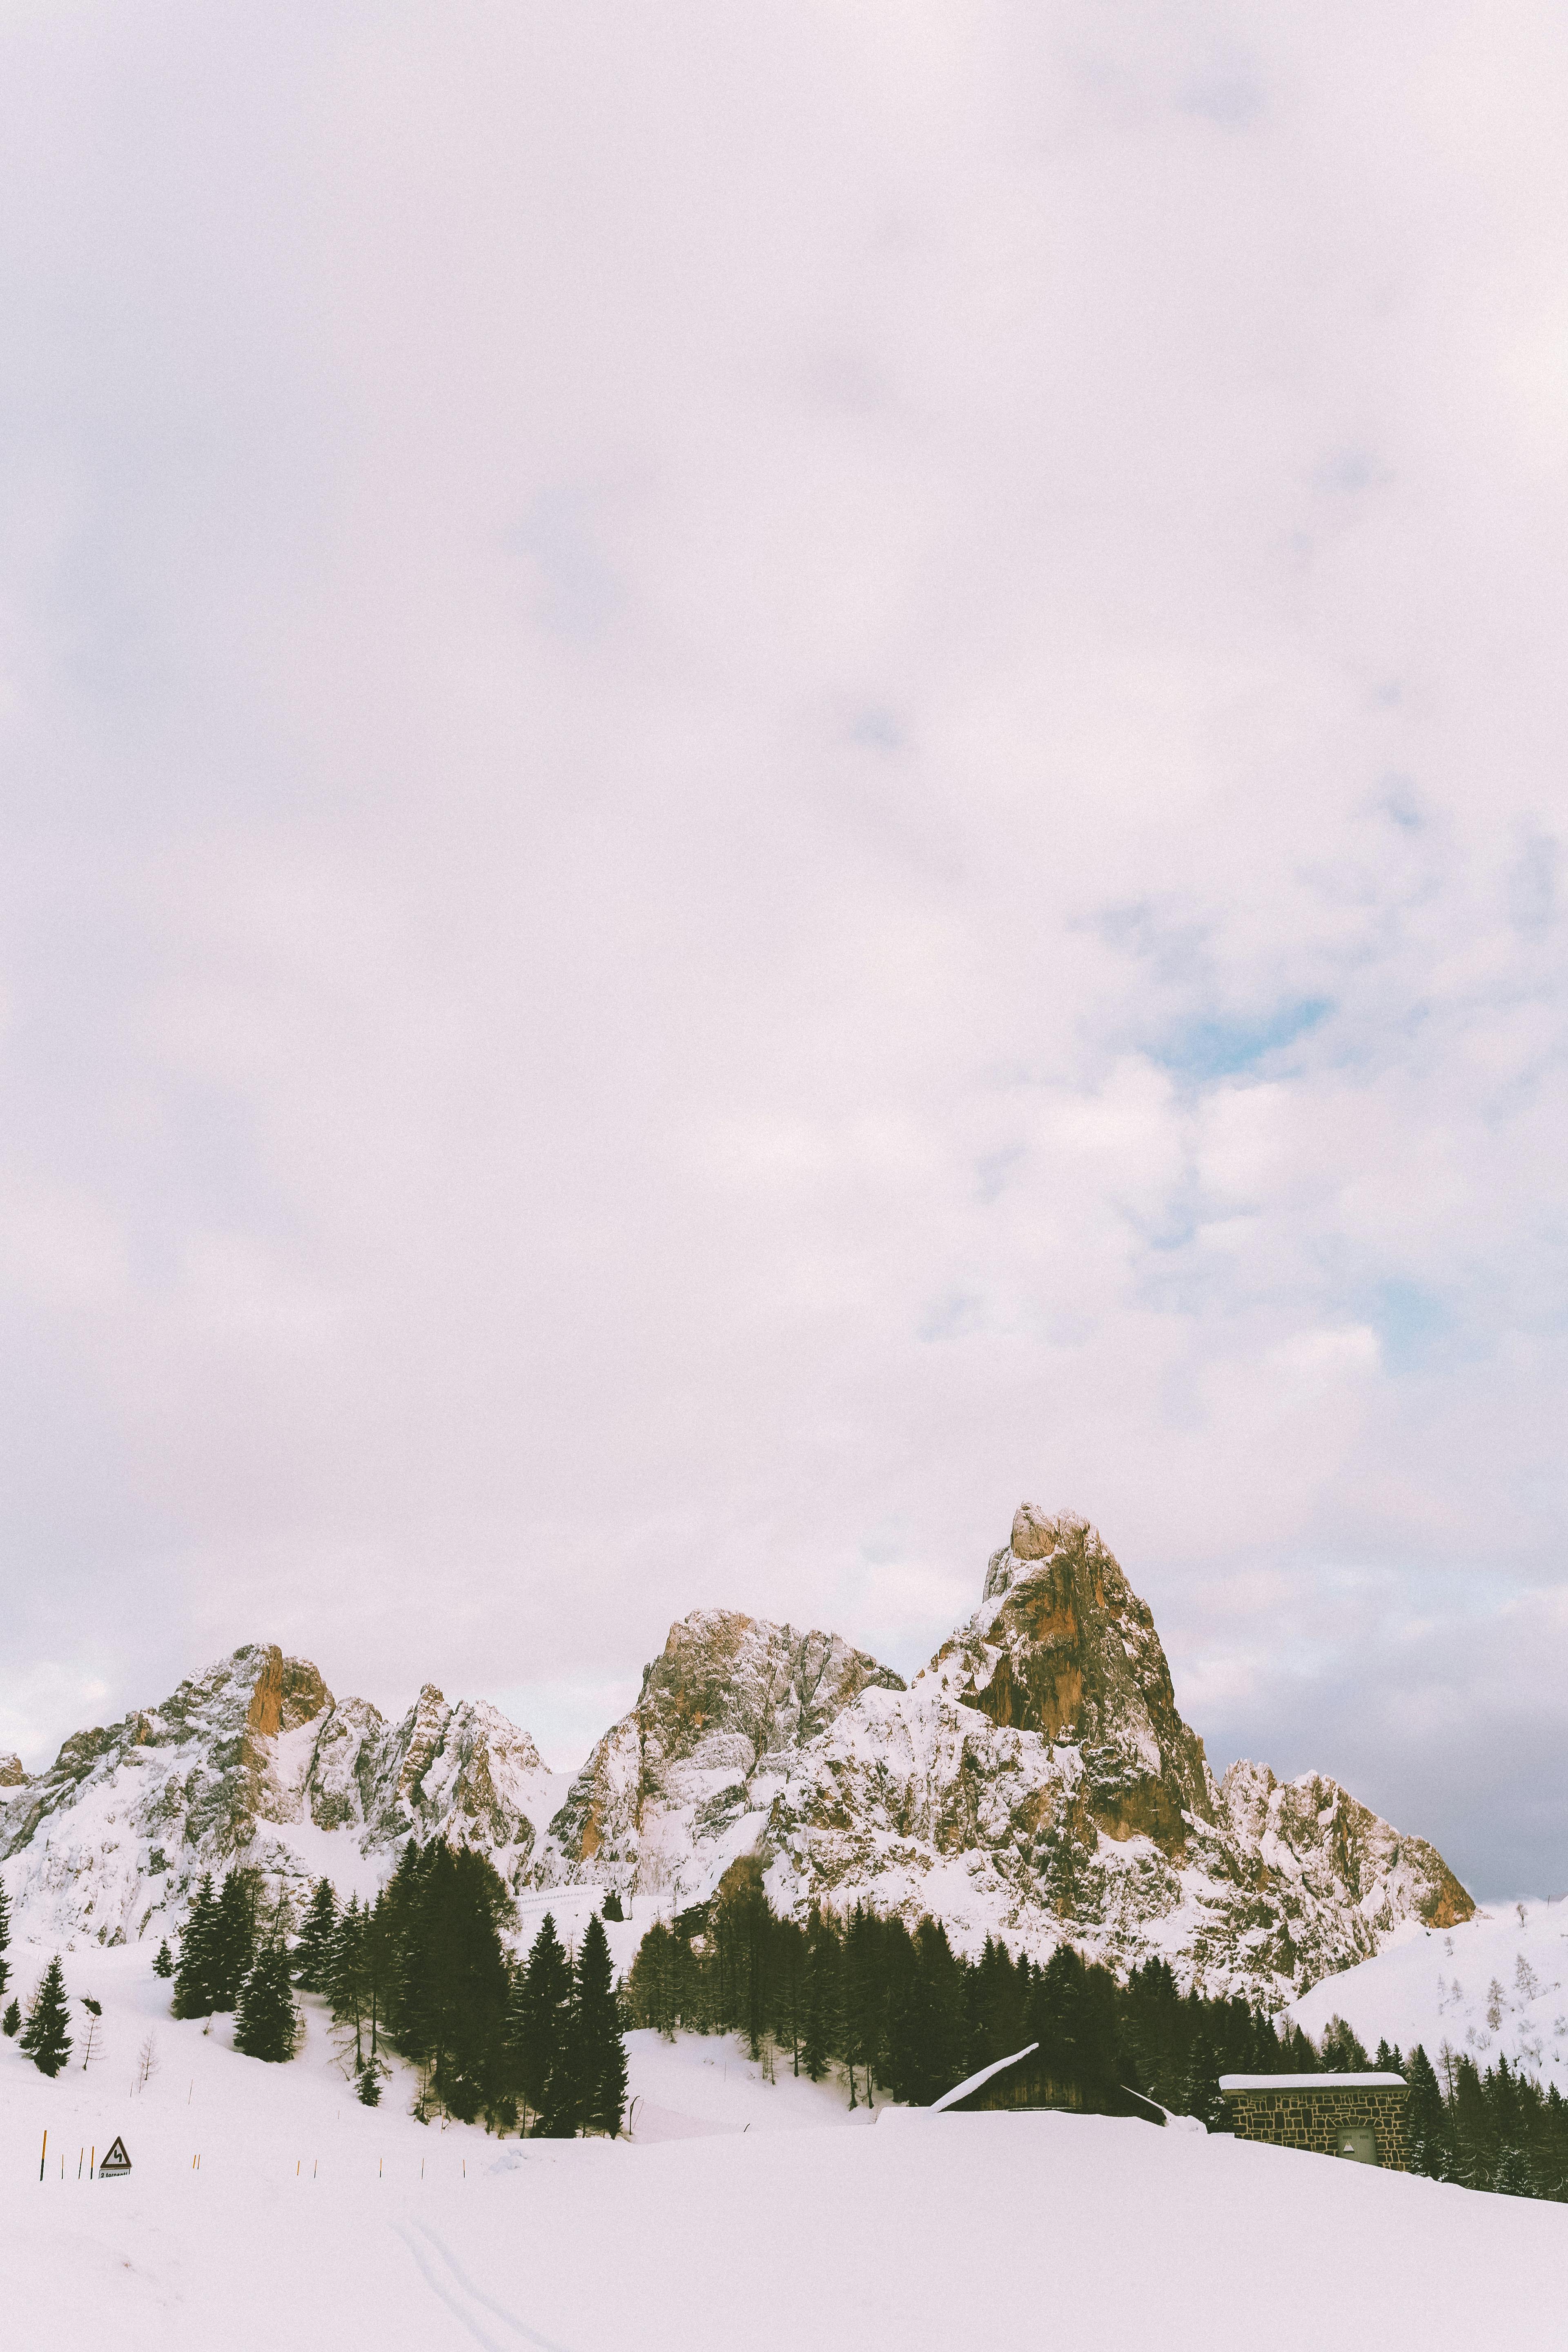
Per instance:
(353,2229)
(1495,1988)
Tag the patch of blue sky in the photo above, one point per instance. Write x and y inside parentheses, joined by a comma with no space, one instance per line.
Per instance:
(1415,1328)
(1215,1046)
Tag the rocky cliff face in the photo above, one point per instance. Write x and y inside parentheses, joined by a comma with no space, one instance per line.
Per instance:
(256,1761)
(686,1781)
(1036,1780)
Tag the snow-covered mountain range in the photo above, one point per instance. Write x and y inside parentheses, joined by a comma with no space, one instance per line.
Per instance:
(1036,1780)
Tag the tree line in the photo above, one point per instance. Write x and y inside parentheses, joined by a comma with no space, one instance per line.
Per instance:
(900,2013)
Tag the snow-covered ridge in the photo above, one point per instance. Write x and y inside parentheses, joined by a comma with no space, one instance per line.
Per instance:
(1036,1781)
(256,1761)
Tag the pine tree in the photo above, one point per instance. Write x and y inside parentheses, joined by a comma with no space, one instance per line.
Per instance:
(819,2039)
(193,1977)
(313,1952)
(597,2022)
(343,1974)
(453,1995)
(1201,2090)
(1425,2118)
(45,2037)
(1340,2050)
(861,1995)
(367,2083)
(163,1960)
(609,1910)
(233,1947)
(267,2025)
(12,2021)
(537,2028)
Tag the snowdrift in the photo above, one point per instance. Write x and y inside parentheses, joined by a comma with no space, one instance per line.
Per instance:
(312,2219)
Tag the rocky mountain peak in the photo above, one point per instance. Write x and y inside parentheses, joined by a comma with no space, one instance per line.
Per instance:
(1061,1645)
(687,1776)
(286,1692)
(1034,1781)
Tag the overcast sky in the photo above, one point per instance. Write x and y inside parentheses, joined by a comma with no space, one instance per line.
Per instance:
(771,773)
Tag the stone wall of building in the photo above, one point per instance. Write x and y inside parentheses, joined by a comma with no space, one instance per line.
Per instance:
(1314,2119)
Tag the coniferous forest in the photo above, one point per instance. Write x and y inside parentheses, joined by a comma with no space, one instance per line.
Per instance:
(901,2014)
(537,2044)
(423,1970)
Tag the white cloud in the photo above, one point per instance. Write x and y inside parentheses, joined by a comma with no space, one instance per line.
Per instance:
(771,776)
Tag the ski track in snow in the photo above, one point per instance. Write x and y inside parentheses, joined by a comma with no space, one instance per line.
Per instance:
(409,2232)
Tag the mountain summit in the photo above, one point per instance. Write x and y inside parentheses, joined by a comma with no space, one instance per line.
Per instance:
(1036,1781)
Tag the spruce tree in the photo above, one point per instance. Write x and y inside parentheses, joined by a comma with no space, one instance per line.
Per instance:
(367,2083)
(1200,2092)
(233,1935)
(1424,2117)
(596,2022)
(537,2023)
(12,2021)
(267,2024)
(194,1976)
(313,1952)
(611,1907)
(163,1960)
(45,2037)
(343,1974)
(819,2039)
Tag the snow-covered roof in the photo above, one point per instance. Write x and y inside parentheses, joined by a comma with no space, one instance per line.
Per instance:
(1311,2082)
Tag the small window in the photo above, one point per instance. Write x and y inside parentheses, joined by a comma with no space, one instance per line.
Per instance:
(1361,2147)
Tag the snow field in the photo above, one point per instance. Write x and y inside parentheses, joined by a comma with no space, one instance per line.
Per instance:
(948,2231)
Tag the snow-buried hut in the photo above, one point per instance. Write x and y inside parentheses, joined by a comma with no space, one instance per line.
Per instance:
(1357,2116)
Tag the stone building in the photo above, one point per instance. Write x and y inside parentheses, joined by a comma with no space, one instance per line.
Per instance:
(1361,2116)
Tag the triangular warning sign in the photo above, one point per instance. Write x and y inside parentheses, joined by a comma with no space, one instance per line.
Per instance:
(115,2162)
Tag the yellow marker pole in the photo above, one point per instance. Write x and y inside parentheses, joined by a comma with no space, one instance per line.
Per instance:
(42,2153)
(91,2160)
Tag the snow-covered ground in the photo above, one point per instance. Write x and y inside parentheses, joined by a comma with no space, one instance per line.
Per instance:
(313,2218)
(1496,1987)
